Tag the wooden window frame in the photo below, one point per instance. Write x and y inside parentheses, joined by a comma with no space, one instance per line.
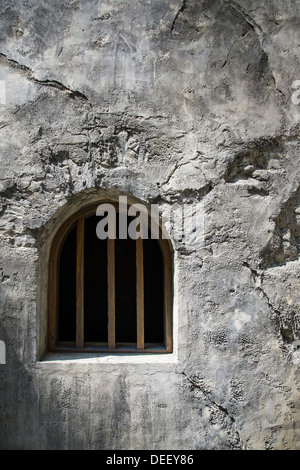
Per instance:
(77,220)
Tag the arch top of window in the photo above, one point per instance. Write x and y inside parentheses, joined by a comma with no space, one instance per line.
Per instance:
(77,222)
(90,210)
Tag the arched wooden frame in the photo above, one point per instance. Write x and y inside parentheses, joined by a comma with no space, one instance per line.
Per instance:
(78,220)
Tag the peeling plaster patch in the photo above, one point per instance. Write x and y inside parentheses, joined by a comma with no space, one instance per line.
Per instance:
(240,319)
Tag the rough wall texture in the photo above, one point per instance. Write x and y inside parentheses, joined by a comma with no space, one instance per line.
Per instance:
(166,101)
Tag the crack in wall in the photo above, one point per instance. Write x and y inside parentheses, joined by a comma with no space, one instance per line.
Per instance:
(259,276)
(231,47)
(285,326)
(176,167)
(181,10)
(216,405)
(206,395)
(261,35)
(248,18)
(284,246)
(50,83)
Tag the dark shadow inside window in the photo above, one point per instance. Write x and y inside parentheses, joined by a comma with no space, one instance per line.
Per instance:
(153,292)
(67,289)
(96,289)
(95,283)
(125,259)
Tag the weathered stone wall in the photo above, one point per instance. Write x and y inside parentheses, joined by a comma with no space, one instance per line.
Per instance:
(168,102)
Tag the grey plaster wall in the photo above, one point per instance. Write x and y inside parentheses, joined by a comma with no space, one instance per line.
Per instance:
(167,102)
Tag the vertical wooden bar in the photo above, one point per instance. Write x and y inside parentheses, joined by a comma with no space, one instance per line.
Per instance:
(140,293)
(80,284)
(168,305)
(168,293)
(111,293)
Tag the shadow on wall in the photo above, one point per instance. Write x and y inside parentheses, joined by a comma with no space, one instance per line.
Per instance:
(24,422)
(42,410)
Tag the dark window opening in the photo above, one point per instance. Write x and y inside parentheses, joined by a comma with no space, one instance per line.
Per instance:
(67,290)
(111,295)
(95,284)
(153,292)
(126,324)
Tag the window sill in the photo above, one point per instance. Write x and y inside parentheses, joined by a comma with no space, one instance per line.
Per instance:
(107,358)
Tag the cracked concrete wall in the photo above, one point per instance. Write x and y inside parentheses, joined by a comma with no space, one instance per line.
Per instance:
(168,102)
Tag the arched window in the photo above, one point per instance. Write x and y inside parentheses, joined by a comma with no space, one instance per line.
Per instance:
(109,295)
